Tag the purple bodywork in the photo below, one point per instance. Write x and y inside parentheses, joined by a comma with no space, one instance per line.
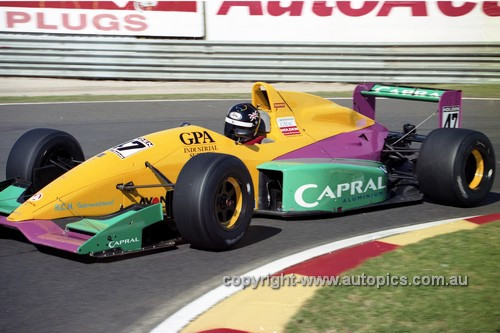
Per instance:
(46,232)
(366,144)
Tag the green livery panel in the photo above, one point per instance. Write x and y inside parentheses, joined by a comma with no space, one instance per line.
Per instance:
(123,231)
(419,94)
(10,192)
(333,186)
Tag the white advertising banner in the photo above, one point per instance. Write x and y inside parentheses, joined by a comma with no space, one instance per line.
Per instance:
(353,21)
(120,18)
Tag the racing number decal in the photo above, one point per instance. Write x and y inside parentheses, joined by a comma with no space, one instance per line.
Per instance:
(450,116)
(131,147)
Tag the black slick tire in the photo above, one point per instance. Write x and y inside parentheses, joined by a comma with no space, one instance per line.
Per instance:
(456,167)
(213,201)
(37,149)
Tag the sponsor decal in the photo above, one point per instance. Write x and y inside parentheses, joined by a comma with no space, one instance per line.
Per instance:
(360,21)
(63,207)
(123,5)
(196,138)
(450,116)
(235,115)
(279,105)
(356,190)
(201,149)
(157,18)
(153,200)
(131,147)
(120,242)
(408,91)
(353,9)
(288,126)
(198,142)
(36,196)
(82,205)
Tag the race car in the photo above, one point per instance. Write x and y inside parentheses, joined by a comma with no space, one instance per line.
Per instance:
(196,185)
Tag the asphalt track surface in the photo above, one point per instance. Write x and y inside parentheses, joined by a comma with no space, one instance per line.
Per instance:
(46,291)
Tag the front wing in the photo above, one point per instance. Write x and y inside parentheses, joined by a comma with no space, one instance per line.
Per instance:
(111,235)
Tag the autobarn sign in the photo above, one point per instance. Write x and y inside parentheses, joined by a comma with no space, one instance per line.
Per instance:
(137,18)
(354,21)
(356,8)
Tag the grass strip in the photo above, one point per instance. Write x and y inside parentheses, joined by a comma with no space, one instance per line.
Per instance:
(114,98)
(469,90)
(473,308)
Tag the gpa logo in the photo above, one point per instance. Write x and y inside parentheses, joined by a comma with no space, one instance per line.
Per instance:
(196,138)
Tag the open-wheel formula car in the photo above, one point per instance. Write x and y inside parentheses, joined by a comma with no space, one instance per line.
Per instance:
(195,184)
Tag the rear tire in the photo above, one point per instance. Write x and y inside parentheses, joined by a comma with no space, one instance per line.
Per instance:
(456,167)
(213,201)
(32,156)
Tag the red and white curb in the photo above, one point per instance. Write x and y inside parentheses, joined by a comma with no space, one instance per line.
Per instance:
(180,319)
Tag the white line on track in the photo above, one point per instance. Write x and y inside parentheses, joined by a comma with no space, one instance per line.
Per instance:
(185,315)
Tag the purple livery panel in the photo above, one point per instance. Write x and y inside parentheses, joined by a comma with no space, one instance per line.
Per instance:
(366,143)
(45,232)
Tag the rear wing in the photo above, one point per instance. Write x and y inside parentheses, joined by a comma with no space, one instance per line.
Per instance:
(449,101)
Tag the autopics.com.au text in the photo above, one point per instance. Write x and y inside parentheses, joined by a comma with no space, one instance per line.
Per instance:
(378,281)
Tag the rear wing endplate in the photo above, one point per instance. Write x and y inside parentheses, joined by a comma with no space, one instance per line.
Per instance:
(449,101)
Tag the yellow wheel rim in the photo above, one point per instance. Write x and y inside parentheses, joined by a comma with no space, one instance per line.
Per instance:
(228,202)
(479,169)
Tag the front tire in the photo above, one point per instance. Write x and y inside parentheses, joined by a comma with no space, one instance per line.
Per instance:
(41,155)
(456,167)
(213,201)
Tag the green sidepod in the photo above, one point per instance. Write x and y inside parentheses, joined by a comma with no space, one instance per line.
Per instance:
(332,186)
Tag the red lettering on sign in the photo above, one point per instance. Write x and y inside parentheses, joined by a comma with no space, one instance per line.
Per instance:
(81,25)
(159,6)
(418,8)
(41,22)
(491,8)
(275,9)
(345,8)
(78,22)
(105,22)
(322,9)
(449,9)
(254,7)
(135,22)
(16,17)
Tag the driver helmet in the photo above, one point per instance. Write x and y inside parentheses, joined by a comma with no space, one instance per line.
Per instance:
(242,122)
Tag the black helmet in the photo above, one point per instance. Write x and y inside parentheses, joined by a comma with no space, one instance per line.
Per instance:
(242,122)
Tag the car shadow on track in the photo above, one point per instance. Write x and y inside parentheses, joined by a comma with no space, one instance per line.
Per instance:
(7,233)
(493,197)
(253,235)
(256,234)
(87,259)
